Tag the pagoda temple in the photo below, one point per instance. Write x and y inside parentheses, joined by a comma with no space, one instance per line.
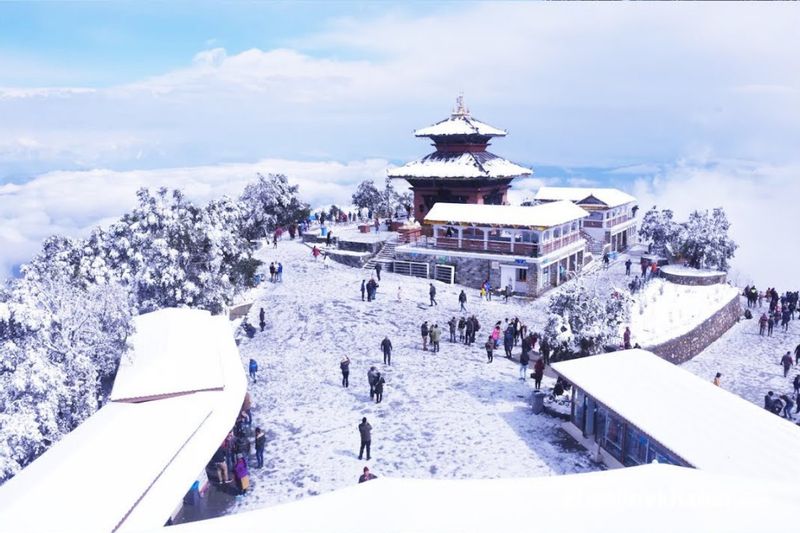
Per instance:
(460,170)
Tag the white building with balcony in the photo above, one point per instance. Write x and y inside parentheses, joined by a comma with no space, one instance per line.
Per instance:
(611,224)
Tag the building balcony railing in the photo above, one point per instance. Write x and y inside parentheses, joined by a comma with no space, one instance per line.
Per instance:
(608,223)
(498,246)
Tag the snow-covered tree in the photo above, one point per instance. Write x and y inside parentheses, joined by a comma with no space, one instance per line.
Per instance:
(270,202)
(60,345)
(704,241)
(582,320)
(367,196)
(659,227)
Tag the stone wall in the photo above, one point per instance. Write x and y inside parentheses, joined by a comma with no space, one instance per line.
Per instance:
(470,271)
(693,280)
(351,260)
(360,246)
(681,349)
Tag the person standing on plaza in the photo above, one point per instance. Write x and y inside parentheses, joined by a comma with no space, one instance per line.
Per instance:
(372,378)
(365,432)
(424,331)
(538,373)
(344,365)
(386,347)
(436,336)
(363,288)
(379,383)
(261,441)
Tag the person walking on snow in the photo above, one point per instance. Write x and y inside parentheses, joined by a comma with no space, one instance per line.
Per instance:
(628,267)
(605,260)
(262,319)
(315,252)
(538,373)
(762,324)
(462,299)
(386,346)
(366,476)
(372,377)
(378,268)
(524,359)
(786,361)
(279,272)
(399,293)
(363,288)
(489,349)
(365,431)
(424,331)
(718,379)
(796,384)
(379,389)
(344,365)
(462,323)
(626,338)
(253,369)
(432,293)
(797,355)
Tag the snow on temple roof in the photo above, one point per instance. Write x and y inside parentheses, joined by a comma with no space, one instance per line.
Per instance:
(172,353)
(545,215)
(460,122)
(127,467)
(610,197)
(707,426)
(459,125)
(656,498)
(468,165)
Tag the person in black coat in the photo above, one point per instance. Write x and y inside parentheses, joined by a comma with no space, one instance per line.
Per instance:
(379,389)
(344,365)
(462,299)
(365,431)
(524,359)
(378,268)
(386,346)
(363,288)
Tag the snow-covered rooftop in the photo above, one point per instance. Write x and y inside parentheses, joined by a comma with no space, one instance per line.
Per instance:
(170,356)
(458,124)
(608,196)
(540,216)
(127,467)
(709,427)
(655,498)
(481,165)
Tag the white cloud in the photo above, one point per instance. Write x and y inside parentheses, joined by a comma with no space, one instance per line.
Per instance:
(584,84)
(73,202)
(760,201)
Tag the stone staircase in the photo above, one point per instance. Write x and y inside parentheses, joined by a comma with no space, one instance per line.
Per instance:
(386,255)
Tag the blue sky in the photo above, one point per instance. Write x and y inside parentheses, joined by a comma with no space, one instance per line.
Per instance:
(690,105)
(102,43)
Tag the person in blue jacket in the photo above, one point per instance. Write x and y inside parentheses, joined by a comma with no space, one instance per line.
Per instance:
(253,369)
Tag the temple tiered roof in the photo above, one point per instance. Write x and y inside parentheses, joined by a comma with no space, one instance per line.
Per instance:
(465,165)
(461,143)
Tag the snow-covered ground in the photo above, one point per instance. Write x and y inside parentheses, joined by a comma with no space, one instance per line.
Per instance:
(664,310)
(749,362)
(444,415)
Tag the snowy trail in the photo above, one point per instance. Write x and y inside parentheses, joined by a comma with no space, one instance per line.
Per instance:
(445,415)
(749,362)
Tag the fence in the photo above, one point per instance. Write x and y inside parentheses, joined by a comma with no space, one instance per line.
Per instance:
(409,268)
(445,273)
